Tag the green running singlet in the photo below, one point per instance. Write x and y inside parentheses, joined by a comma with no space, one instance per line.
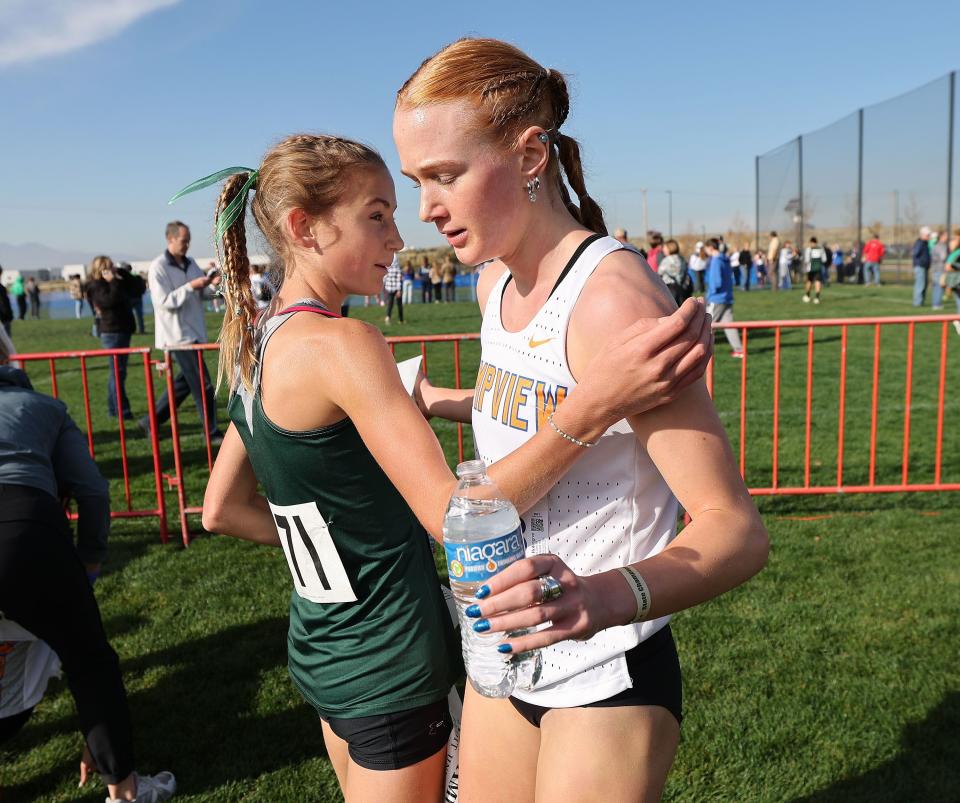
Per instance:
(370,632)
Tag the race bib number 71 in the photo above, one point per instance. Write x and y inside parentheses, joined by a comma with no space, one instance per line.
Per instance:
(315,565)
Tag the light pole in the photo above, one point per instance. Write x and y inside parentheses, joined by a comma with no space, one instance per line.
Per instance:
(646,221)
(670,214)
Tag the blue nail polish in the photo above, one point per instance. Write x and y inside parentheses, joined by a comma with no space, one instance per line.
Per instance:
(482,592)
(473,611)
(482,626)
(504,648)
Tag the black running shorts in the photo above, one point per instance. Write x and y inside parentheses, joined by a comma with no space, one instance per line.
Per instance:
(395,741)
(655,671)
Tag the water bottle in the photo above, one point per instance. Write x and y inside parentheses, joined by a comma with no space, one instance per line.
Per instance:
(482,536)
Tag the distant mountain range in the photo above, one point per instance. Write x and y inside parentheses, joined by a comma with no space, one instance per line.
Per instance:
(30,256)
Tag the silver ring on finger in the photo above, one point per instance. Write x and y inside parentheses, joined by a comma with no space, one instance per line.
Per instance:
(550,589)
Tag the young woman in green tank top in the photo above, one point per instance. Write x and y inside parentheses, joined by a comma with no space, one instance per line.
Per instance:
(352,472)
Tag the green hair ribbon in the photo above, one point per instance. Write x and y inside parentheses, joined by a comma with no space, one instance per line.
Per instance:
(235,208)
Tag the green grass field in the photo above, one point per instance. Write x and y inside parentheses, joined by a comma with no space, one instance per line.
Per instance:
(831,676)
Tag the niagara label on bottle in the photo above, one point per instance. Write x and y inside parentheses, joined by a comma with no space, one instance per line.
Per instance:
(482,537)
(477,562)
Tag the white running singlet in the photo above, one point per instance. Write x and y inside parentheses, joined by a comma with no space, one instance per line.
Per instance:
(612,508)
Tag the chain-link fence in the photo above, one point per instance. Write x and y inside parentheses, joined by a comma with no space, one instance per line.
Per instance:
(885,171)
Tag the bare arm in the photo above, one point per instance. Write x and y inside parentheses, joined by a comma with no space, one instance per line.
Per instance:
(453,404)
(368,385)
(360,380)
(232,504)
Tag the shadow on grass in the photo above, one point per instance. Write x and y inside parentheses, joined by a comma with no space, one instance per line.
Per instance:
(140,465)
(853,504)
(926,767)
(785,345)
(200,720)
(122,624)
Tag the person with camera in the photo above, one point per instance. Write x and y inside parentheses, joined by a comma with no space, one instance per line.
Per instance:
(110,293)
(135,287)
(177,287)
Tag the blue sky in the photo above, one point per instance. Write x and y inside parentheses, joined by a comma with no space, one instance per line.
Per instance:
(109,106)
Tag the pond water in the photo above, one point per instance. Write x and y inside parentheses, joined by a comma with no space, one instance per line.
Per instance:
(58,304)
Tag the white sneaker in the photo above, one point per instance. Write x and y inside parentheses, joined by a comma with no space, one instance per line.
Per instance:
(816,301)
(806,299)
(152,788)
(956,325)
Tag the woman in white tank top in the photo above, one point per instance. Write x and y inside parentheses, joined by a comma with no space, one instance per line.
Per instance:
(478,127)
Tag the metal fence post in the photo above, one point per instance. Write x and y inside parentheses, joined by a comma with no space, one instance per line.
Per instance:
(756,179)
(950,105)
(860,186)
(800,182)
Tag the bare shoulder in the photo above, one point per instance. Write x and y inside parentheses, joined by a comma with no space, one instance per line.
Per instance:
(621,290)
(315,341)
(489,276)
(312,353)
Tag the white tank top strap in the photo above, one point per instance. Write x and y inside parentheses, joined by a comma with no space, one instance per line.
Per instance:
(565,297)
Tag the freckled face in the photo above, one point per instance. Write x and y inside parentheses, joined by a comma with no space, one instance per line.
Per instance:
(470,190)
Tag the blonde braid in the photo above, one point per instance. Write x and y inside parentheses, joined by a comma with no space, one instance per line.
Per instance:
(237,347)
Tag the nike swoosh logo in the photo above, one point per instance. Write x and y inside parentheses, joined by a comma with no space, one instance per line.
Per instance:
(534,343)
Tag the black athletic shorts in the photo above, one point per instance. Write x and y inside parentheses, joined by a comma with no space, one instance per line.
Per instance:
(395,741)
(655,671)
(814,275)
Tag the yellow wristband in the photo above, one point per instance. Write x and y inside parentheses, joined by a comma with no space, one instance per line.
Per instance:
(640,591)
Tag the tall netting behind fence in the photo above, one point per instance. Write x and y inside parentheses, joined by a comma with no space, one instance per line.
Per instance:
(778,193)
(885,169)
(905,150)
(830,183)
(955,154)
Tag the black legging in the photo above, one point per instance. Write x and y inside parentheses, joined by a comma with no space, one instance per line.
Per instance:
(391,297)
(44,588)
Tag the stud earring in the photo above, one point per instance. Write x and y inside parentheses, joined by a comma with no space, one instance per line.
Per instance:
(533,187)
(543,138)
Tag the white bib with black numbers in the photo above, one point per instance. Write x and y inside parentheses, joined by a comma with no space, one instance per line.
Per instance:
(315,565)
(610,509)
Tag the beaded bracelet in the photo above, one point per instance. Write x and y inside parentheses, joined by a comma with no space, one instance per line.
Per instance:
(563,434)
(640,591)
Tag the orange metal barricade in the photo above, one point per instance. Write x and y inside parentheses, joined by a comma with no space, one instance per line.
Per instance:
(752,334)
(82,358)
(879,326)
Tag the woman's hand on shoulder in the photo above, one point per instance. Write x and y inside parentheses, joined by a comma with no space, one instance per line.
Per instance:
(629,343)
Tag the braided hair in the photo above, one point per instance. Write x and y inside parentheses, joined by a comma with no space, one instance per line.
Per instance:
(303,171)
